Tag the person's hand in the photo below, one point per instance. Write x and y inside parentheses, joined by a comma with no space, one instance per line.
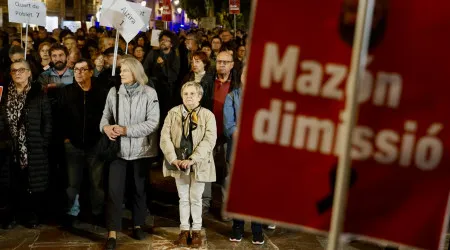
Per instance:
(160,60)
(186,163)
(120,130)
(51,85)
(109,131)
(176,163)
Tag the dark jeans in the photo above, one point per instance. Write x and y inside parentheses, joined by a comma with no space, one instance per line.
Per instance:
(121,171)
(77,161)
(256,227)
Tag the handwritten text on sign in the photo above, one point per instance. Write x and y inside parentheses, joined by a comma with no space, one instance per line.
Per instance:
(124,19)
(317,135)
(27,12)
(143,12)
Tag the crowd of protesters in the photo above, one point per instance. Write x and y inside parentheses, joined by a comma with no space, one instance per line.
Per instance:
(173,106)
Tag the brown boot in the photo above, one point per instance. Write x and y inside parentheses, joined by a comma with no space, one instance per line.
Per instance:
(196,239)
(182,240)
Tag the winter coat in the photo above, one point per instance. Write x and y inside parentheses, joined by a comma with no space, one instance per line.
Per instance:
(203,138)
(38,125)
(81,112)
(139,113)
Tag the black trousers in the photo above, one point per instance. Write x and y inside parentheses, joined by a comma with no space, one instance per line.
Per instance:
(121,171)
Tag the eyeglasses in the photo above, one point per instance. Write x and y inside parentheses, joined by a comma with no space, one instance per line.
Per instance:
(223,62)
(82,70)
(21,70)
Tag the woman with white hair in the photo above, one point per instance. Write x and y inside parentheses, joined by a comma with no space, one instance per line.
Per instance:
(137,130)
(188,138)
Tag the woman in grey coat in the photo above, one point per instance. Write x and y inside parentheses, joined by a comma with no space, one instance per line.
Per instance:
(137,128)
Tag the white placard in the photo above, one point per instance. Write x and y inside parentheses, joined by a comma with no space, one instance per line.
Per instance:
(155,38)
(72,25)
(143,12)
(124,19)
(208,23)
(105,16)
(27,12)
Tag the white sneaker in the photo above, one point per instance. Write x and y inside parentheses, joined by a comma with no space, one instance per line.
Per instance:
(271,227)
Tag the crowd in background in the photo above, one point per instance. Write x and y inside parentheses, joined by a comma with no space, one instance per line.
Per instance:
(173,106)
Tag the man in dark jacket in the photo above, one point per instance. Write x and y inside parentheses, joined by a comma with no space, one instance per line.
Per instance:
(162,67)
(82,106)
(226,79)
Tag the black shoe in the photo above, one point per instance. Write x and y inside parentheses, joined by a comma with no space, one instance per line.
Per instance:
(236,234)
(110,244)
(258,238)
(139,234)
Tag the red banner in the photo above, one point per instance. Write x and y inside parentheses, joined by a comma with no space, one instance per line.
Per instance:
(235,6)
(166,11)
(1,93)
(291,122)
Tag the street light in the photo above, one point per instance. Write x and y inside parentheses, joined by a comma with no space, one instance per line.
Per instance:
(179,10)
(144,3)
(176,2)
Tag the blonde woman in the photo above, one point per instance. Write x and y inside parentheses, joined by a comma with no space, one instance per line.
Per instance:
(188,138)
(137,127)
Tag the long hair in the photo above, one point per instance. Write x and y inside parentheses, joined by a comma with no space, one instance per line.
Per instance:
(135,67)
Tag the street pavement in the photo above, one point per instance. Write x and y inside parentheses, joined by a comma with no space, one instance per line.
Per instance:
(162,227)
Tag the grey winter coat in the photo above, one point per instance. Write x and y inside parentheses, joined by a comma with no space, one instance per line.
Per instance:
(139,113)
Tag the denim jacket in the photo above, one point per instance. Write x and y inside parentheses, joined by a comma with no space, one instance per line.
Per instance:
(230,116)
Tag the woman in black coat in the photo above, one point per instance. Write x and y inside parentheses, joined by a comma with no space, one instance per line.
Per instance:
(25,128)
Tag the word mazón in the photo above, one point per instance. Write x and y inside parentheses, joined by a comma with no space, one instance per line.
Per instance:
(279,124)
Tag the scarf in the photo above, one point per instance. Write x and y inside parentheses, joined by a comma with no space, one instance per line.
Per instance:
(14,106)
(198,76)
(190,120)
(131,87)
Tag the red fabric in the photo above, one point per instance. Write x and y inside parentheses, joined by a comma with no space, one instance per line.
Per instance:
(388,201)
(220,94)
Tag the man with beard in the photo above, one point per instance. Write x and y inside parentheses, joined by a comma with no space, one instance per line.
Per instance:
(53,79)
(162,67)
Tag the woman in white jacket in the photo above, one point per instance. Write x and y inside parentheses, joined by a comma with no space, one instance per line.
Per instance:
(188,138)
(137,128)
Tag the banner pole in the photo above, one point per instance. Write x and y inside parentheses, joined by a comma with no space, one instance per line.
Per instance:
(358,62)
(126,49)
(116,48)
(26,40)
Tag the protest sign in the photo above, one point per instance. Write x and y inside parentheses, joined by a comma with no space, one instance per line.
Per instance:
(154,41)
(208,23)
(122,17)
(290,130)
(143,12)
(28,12)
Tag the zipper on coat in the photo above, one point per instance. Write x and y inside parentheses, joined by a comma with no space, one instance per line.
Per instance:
(131,101)
(84,114)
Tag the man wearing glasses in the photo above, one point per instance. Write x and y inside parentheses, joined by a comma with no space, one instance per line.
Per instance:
(226,80)
(81,105)
(162,67)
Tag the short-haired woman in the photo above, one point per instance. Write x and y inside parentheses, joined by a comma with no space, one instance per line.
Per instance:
(25,129)
(200,74)
(137,127)
(188,138)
